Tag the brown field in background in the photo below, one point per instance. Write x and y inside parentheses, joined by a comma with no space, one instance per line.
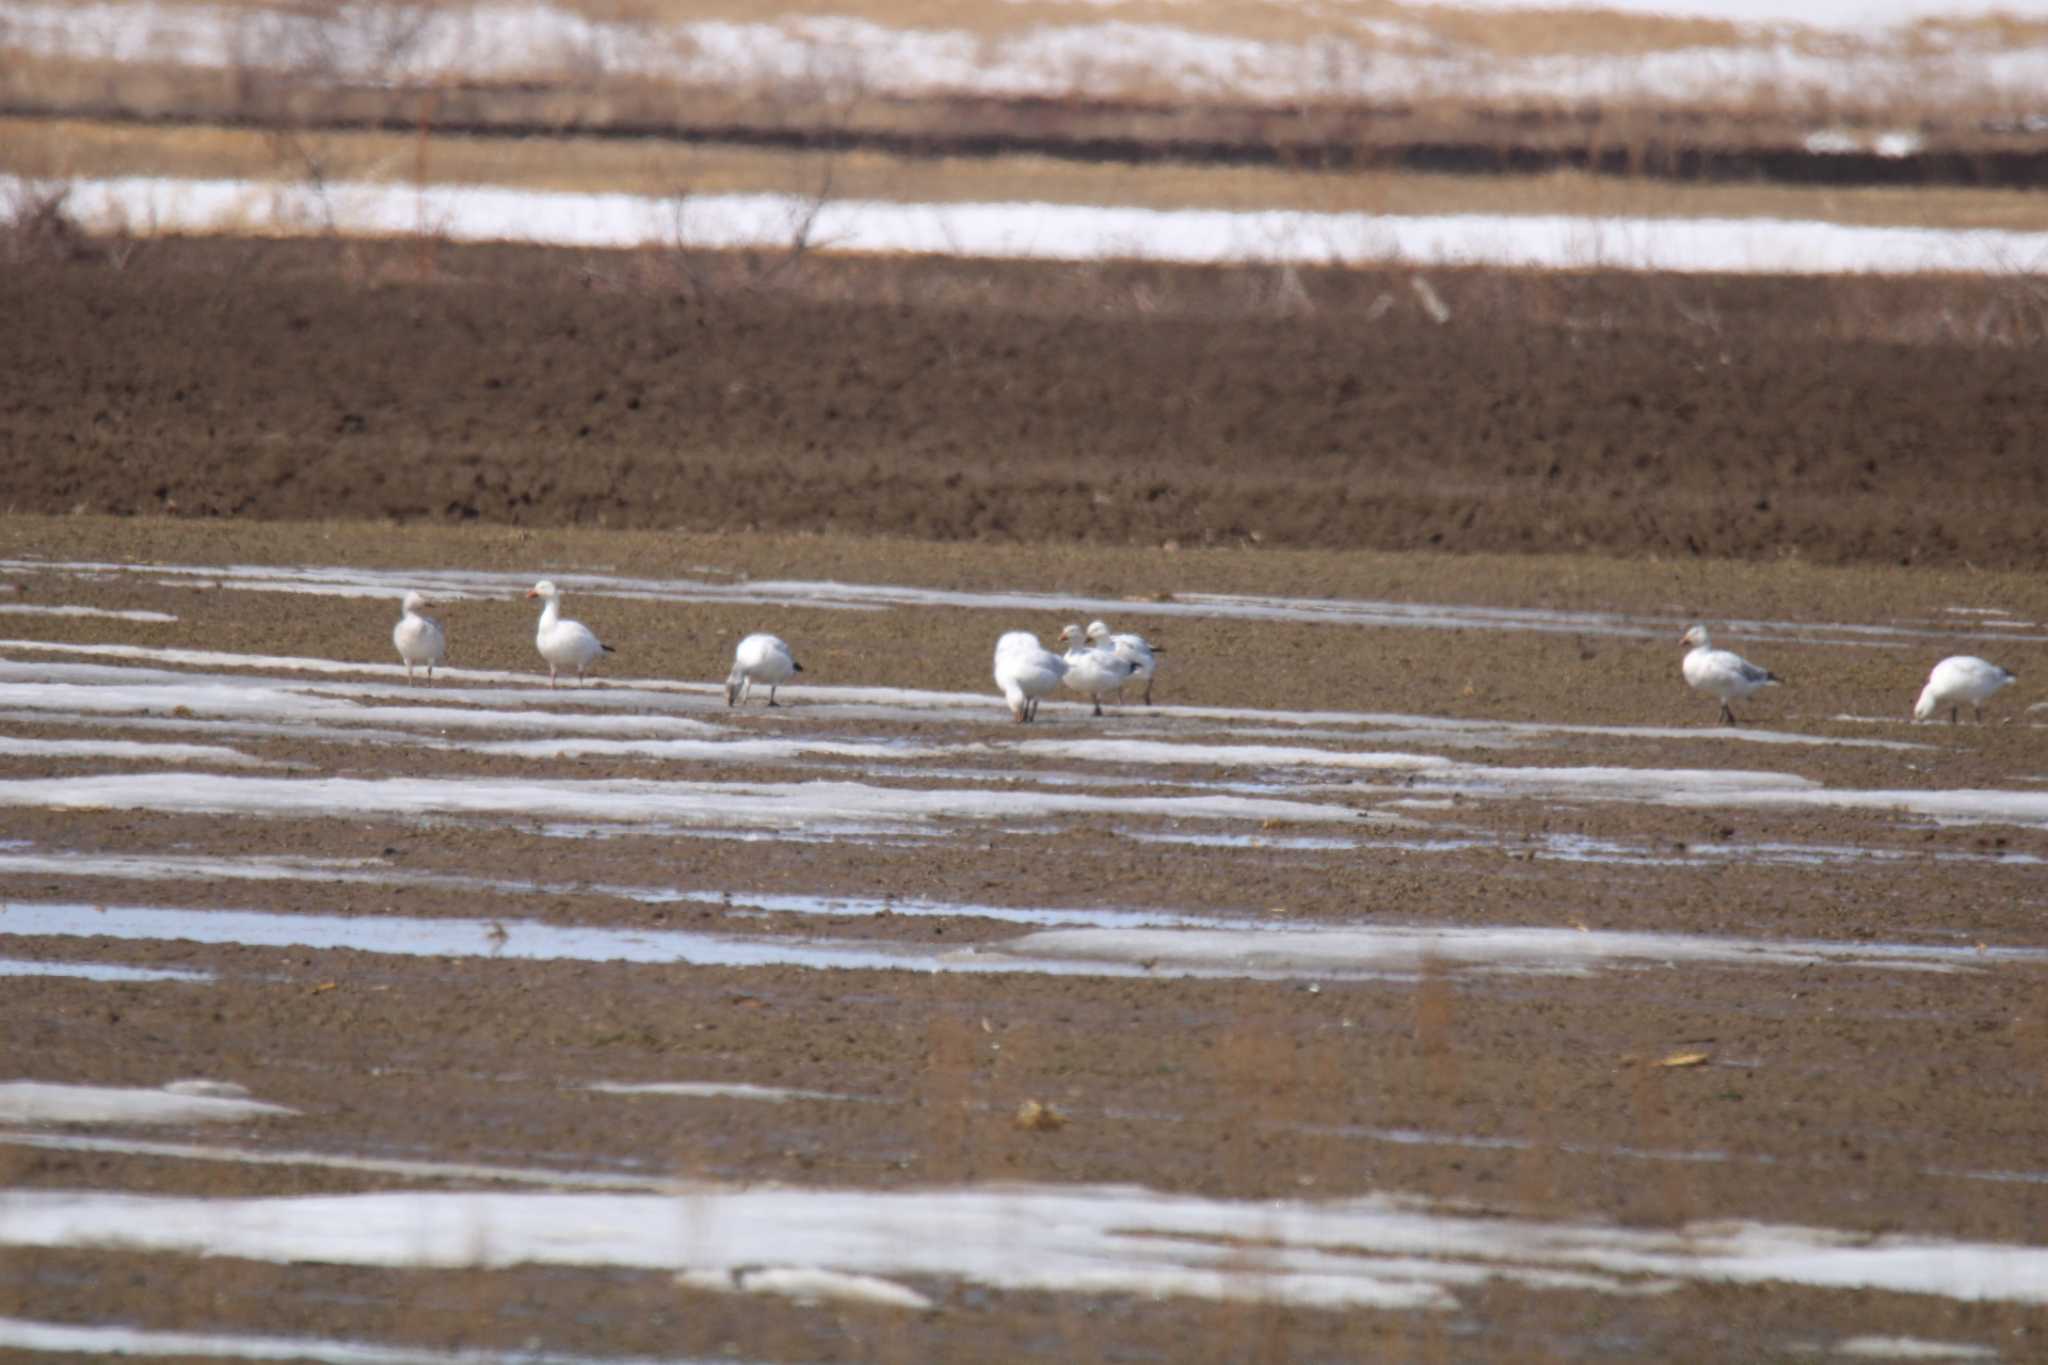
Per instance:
(59,150)
(1833,420)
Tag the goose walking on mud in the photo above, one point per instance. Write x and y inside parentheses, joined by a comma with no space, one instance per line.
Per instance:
(1960,679)
(1722,673)
(1026,671)
(419,638)
(1093,671)
(762,659)
(1136,650)
(564,644)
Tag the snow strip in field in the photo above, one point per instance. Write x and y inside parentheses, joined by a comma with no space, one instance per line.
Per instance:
(103,1342)
(1389,58)
(126,751)
(103,613)
(98,971)
(462,1172)
(1275,952)
(828,595)
(156,698)
(1376,1251)
(1042,231)
(1908,1348)
(1316,952)
(179,1102)
(773,804)
(717,1090)
(373,872)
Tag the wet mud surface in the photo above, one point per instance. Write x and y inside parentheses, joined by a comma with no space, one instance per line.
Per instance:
(1518,756)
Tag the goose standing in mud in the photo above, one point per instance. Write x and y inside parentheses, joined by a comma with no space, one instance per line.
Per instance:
(1025,671)
(1721,673)
(564,644)
(1958,679)
(1135,649)
(419,638)
(1091,670)
(761,659)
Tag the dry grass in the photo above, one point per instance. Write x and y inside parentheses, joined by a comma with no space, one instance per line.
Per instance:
(61,150)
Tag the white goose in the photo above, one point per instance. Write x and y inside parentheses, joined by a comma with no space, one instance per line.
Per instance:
(420,639)
(564,644)
(1721,673)
(1958,679)
(759,659)
(1136,649)
(1026,671)
(1092,670)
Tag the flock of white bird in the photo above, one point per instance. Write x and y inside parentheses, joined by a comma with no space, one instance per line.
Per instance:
(1098,662)
(1725,675)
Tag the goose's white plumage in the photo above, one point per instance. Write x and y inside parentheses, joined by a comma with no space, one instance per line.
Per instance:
(1721,673)
(1136,650)
(1958,679)
(1026,671)
(1093,671)
(760,659)
(419,638)
(564,644)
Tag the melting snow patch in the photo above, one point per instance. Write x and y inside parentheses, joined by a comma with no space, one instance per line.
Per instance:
(1046,231)
(98,971)
(1910,1348)
(41,1102)
(1218,952)
(126,751)
(1376,1251)
(22,1334)
(22,609)
(806,1284)
(698,803)
(1351,951)
(716,1090)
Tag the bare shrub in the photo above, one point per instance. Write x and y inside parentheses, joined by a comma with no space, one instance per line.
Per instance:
(36,224)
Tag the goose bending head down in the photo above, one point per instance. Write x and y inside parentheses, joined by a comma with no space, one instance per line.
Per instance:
(1093,671)
(419,638)
(759,659)
(564,644)
(1026,671)
(1958,679)
(1138,651)
(1721,673)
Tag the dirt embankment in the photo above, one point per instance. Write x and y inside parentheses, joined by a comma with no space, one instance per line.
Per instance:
(1842,420)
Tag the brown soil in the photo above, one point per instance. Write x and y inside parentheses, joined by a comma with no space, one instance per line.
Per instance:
(1834,421)
(1042,429)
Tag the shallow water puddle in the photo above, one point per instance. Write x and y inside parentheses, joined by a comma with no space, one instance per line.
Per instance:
(1376,1251)
(509,939)
(1262,952)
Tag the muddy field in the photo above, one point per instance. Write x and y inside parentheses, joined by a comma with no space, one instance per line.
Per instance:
(1832,420)
(1424,977)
